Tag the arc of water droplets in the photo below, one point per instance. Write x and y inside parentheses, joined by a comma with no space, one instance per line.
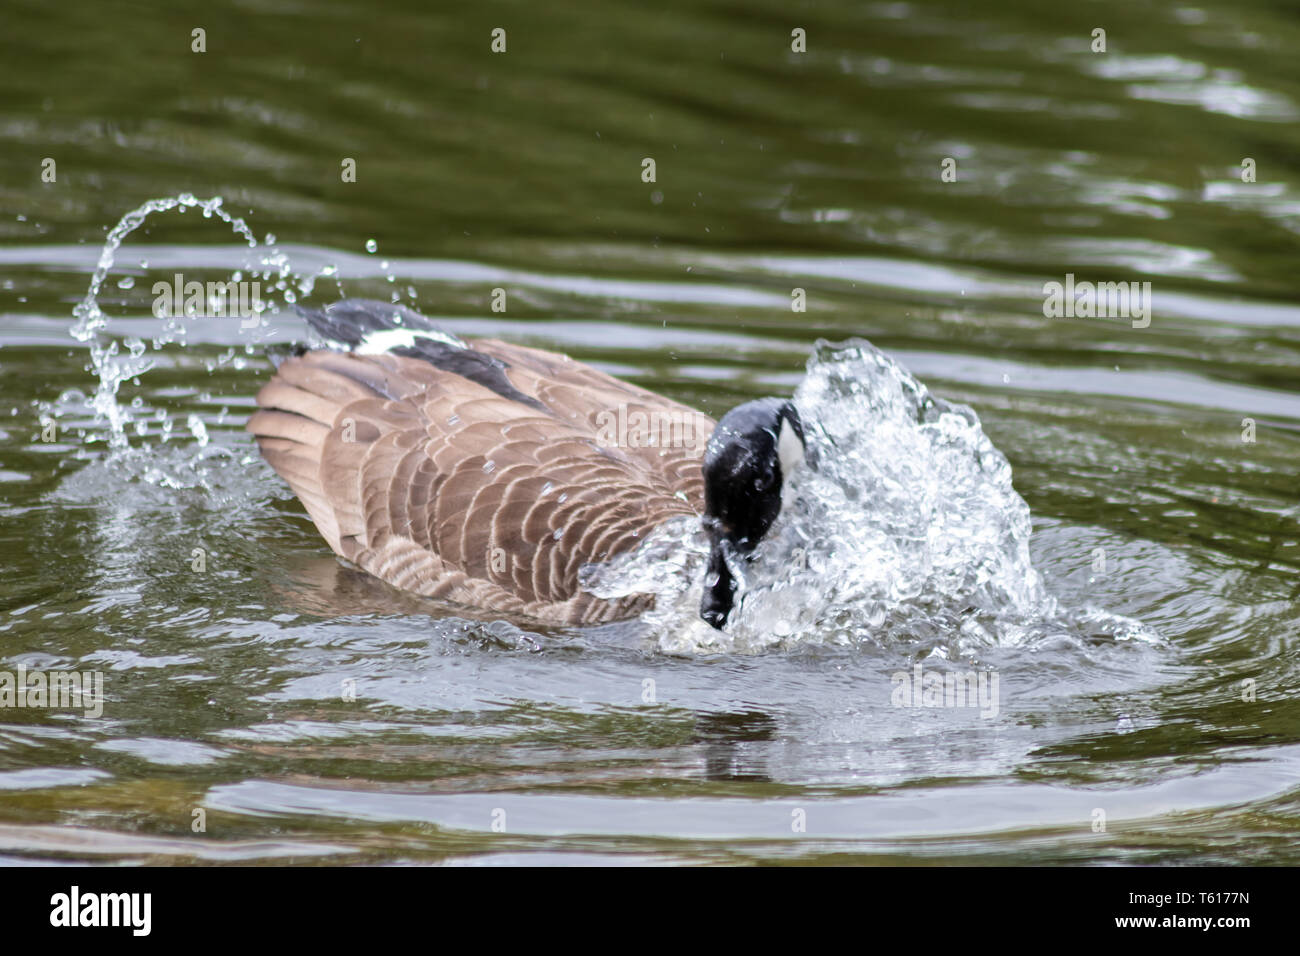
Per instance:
(91,320)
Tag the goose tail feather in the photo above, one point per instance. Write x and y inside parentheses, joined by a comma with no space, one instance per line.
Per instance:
(351,323)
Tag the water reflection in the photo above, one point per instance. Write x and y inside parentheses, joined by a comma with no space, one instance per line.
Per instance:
(728,740)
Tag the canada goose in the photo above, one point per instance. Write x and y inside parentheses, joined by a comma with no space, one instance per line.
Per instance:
(487,474)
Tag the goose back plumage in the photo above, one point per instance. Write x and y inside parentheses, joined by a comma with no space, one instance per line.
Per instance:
(478,479)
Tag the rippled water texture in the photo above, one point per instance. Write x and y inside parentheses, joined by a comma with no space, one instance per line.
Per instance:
(1037,604)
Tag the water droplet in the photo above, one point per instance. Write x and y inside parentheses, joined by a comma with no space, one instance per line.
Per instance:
(126,282)
(372,246)
(197,429)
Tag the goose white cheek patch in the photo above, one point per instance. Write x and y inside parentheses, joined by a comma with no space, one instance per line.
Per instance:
(789,449)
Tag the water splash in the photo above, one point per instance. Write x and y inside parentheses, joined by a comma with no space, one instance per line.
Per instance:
(110,365)
(116,360)
(128,442)
(909,529)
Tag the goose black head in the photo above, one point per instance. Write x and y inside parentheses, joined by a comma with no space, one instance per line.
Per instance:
(752,450)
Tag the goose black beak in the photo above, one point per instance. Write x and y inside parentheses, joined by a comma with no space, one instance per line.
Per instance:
(719,585)
(713,617)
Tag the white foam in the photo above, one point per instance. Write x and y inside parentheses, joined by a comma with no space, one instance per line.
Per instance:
(908,529)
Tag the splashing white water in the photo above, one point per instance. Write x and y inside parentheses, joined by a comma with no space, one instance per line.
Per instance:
(119,359)
(112,367)
(908,528)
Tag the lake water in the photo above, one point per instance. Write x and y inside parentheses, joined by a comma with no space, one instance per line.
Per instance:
(1158,461)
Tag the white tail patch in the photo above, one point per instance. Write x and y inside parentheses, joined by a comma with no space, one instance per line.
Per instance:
(385,340)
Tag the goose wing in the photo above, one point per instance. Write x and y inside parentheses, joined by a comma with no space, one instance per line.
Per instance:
(474,491)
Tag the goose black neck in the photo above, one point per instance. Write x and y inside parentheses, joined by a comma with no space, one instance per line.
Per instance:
(719,588)
(744,465)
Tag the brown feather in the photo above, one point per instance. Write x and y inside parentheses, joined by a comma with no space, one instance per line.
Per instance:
(440,486)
